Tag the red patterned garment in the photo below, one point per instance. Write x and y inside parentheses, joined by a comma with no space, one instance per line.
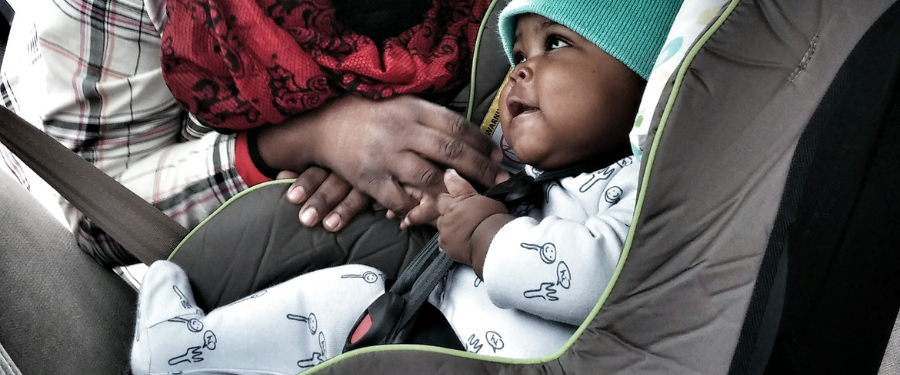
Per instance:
(239,64)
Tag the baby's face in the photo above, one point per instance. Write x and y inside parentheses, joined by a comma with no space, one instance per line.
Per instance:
(567,101)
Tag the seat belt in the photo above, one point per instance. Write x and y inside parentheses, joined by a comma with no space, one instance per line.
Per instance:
(142,229)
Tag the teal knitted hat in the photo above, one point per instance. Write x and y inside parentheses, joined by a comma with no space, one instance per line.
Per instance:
(632,31)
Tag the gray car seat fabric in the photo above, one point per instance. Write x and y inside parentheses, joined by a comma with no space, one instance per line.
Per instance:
(254,242)
(890,363)
(60,312)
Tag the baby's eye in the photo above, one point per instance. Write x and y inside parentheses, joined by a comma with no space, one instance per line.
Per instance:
(554,42)
(518,58)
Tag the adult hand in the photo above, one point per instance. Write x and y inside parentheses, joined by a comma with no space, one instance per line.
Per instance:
(325,197)
(380,146)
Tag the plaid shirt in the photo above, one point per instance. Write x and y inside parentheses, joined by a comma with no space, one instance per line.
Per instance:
(88,73)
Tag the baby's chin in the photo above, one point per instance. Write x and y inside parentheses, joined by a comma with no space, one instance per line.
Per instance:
(543,163)
(551,160)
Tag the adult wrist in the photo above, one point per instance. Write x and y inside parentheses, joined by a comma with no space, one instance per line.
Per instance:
(256,159)
(244,164)
(287,146)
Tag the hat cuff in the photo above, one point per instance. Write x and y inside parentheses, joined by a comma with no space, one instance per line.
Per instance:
(632,31)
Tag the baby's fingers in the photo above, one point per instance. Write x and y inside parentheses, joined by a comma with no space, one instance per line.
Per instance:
(425,212)
(456,185)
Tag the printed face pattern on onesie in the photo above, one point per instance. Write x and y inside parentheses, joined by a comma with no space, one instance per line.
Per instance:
(613,195)
(547,290)
(547,251)
(311,321)
(368,276)
(193,325)
(492,338)
(564,276)
(193,354)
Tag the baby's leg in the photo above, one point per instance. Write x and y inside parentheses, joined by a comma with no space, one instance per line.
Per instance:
(283,329)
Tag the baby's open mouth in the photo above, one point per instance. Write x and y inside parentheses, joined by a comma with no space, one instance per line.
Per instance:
(517,107)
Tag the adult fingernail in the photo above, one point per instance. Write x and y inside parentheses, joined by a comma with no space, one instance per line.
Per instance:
(332,221)
(309,216)
(297,194)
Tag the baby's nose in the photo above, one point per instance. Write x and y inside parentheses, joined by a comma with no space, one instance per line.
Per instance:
(521,73)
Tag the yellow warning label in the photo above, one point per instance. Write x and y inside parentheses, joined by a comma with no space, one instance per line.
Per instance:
(492,118)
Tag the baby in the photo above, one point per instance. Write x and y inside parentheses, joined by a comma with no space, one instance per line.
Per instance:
(527,279)
(570,101)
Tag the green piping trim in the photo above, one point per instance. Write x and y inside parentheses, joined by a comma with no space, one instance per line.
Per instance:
(484,22)
(216,212)
(679,79)
(419,348)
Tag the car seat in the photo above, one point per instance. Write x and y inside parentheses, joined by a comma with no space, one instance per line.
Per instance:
(765,235)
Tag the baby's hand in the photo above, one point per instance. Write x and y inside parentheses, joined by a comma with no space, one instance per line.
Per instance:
(468,221)
(425,212)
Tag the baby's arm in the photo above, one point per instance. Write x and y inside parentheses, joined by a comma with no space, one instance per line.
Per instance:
(556,268)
